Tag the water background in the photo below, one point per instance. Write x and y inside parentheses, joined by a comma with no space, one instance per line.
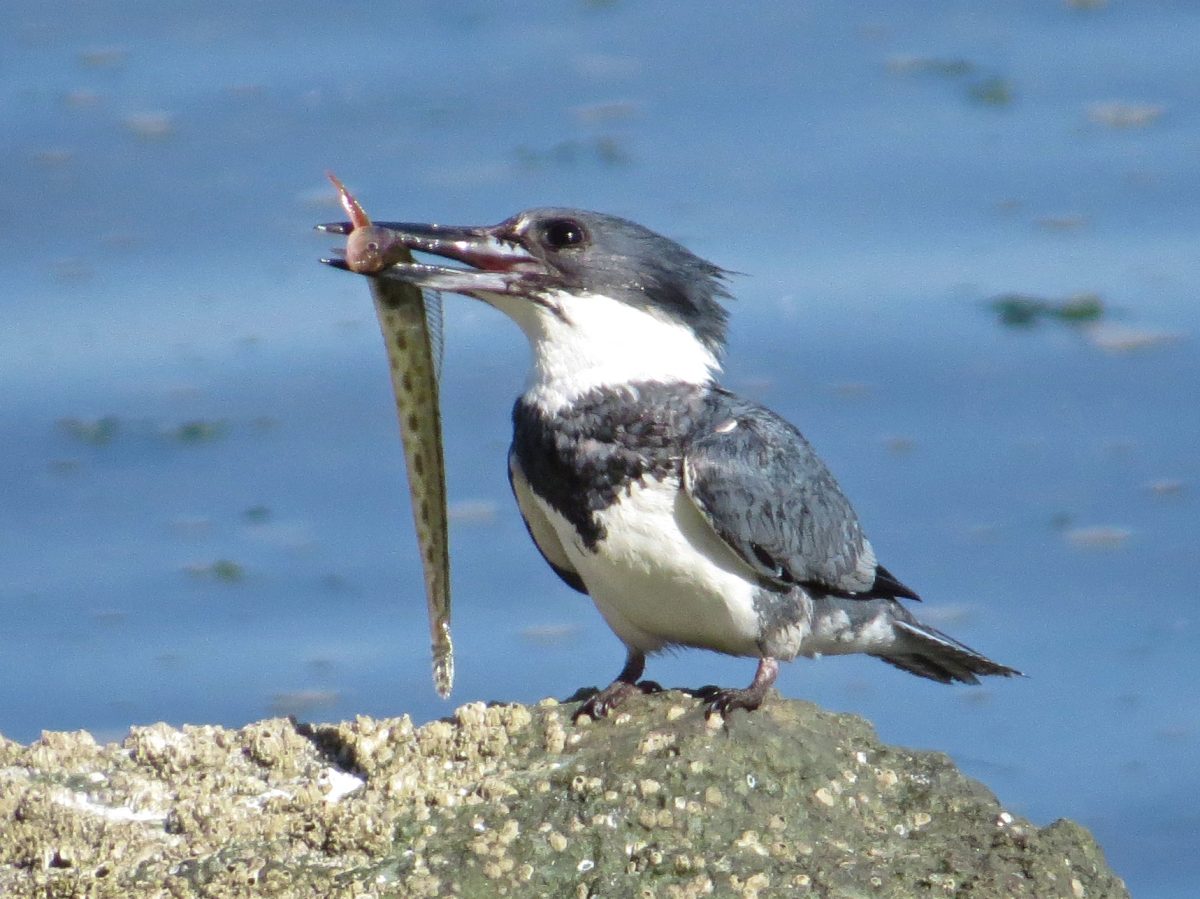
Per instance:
(203,514)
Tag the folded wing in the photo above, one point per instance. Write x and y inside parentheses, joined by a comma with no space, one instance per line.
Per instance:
(759,484)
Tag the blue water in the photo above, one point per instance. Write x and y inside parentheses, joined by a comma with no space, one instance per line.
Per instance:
(877,172)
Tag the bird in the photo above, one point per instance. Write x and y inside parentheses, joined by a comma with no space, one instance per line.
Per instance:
(691,516)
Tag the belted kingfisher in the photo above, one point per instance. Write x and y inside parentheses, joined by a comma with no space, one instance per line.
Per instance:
(691,516)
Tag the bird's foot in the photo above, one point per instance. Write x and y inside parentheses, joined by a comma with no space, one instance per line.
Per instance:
(722,702)
(600,705)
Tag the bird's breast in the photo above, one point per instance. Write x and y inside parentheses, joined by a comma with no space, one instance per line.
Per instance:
(606,473)
(582,459)
(661,576)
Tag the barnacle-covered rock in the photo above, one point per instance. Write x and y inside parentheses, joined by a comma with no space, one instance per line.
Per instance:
(504,800)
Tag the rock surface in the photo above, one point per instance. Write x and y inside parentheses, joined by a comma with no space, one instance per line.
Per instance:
(518,801)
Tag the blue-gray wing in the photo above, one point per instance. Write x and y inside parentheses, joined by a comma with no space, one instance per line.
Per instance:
(759,484)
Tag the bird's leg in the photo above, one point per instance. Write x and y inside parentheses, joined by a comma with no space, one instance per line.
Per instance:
(725,701)
(600,704)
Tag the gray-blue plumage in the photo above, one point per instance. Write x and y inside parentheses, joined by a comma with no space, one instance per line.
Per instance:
(691,516)
(753,475)
(619,259)
(765,491)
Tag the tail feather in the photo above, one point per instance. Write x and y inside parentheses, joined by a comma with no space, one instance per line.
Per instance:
(927,652)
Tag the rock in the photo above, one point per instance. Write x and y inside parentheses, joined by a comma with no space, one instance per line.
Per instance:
(518,801)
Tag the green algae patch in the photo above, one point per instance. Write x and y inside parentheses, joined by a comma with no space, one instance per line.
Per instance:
(517,801)
(96,432)
(199,431)
(1017,310)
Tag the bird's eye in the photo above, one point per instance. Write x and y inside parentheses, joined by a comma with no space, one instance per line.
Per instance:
(562,233)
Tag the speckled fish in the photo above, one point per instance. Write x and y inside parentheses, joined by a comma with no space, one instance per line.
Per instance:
(412,335)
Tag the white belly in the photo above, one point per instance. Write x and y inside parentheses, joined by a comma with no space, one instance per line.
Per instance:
(662,576)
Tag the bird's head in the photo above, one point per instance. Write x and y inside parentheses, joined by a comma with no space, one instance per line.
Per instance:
(589,290)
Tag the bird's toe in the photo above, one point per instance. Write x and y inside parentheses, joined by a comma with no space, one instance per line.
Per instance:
(722,702)
(601,705)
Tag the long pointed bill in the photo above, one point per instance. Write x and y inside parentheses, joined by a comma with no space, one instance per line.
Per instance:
(498,265)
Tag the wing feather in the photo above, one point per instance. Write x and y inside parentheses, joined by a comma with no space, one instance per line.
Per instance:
(771,499)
